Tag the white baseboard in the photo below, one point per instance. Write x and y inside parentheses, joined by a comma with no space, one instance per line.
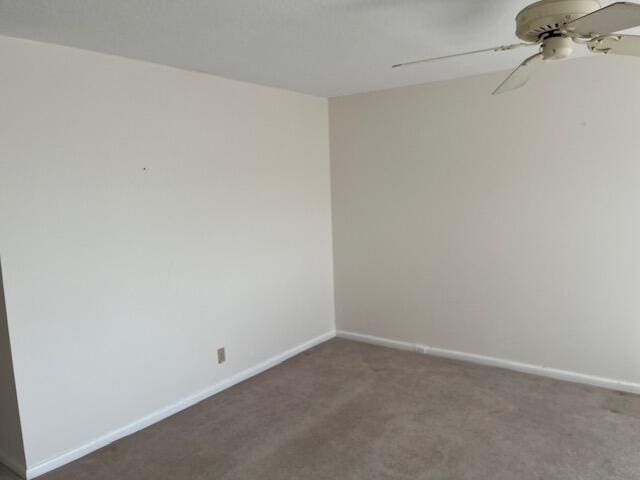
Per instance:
(70,456)
(611,384)
(16,467)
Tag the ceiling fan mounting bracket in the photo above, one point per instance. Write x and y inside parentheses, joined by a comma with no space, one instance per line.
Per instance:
(604,44)
(542,19)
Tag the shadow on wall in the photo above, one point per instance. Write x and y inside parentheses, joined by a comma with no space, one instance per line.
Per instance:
(11,444)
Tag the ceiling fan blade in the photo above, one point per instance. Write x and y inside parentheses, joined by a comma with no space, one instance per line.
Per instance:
(521,75)
(617,45)
(494,49)
(613,18)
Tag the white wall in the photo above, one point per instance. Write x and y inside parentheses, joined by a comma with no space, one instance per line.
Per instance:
(149,216)
(11,448)
(504,226)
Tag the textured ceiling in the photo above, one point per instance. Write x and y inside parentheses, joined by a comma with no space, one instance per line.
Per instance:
(321,47)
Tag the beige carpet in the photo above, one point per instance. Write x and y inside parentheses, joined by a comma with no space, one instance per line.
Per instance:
(347,410)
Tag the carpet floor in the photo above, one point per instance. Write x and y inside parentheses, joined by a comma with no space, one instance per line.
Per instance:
(347,410)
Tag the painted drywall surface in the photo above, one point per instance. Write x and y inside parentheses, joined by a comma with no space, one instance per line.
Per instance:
(503,226)
(11,448)
(149,216)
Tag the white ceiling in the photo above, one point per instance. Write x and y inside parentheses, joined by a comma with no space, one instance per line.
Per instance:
(321,47)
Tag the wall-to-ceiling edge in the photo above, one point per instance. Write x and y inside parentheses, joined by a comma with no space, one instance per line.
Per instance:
(158,215)
(502,226)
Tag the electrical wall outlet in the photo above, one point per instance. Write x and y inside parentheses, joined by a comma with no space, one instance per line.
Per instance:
(221,355)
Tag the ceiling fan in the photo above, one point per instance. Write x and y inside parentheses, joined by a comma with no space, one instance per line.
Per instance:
(555,25)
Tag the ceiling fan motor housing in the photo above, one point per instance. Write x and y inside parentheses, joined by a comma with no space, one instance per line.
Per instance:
(557,48)
(542,18)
